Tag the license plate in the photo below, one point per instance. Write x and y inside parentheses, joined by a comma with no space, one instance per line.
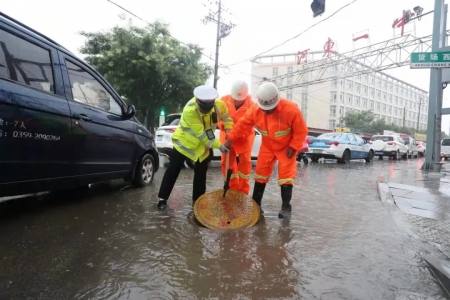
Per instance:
(159,138)
(378,153)
(317,151)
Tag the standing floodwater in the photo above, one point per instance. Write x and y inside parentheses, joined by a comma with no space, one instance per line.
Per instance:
(340,243)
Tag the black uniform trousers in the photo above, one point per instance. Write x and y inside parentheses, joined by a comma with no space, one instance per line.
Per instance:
(171,175)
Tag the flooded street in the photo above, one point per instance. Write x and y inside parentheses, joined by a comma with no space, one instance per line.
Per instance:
(112,243)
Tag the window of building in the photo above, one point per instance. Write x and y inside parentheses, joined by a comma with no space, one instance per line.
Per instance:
(332,111)
(396,100)
(358,88)
(364,103)
(341,97)
(289,94)
(364,78)
(389,109)
(390,98)
(349,85)
(371,104)
(86,89)
(379,83)
(290,69)
(25,63)
(378,95)
(377,107)
(383,108)
(365,90)
(372,93)
(333,97)
(342,83)
(305,96)
(357,104)
(371,80)
(304,106)
(384,85)
(349,99)
(384,97)
(390,87)
(334,83)
(274,72)
(341,111)
(332,124)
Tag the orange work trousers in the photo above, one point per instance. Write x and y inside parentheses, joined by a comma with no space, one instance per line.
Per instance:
(287,167)
(240,171)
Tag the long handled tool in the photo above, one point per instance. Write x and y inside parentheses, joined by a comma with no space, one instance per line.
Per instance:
(226,186)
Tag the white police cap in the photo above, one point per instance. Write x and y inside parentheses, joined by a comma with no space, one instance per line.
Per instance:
(206,93)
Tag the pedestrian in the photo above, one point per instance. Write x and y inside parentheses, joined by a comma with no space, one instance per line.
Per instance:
(238,102)
(193,139)
(283,131)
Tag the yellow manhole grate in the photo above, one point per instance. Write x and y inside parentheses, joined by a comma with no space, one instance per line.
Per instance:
(236,210)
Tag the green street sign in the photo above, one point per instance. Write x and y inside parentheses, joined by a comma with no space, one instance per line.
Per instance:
(427,60)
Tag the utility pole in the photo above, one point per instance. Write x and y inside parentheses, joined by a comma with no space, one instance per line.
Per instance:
(404,115)
(435,96)
(223,30)
(418,115)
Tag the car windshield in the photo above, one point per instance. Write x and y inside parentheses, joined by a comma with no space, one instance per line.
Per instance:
(172,120)
(446,142)
(331,135)
(382,138)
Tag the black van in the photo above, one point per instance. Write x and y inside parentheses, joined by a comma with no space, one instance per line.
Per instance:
(62,125)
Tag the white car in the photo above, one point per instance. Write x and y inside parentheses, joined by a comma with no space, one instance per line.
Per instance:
(421,148)
(389,145)
(343,146)
(165,146)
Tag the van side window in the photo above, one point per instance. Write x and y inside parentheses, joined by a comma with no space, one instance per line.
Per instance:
(86,89)
(25,62)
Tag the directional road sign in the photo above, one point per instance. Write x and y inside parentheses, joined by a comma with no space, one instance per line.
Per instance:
(427,60)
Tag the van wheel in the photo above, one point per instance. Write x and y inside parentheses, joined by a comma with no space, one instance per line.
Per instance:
(145,171)
(369,156)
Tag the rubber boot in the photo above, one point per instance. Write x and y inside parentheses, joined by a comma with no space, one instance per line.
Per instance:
(258,192)
(162,204)
(286,195)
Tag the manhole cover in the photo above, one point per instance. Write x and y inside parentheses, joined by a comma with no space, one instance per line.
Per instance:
(236,210)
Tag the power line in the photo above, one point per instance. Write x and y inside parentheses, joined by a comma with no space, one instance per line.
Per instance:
(175,39)
(348,4)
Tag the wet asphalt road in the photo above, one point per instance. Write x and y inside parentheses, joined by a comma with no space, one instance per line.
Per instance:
(340,243)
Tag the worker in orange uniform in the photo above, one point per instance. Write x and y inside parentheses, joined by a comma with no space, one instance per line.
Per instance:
(238,102)
(283,131)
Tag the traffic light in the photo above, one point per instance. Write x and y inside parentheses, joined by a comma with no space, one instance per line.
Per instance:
(318,7)
(162,113)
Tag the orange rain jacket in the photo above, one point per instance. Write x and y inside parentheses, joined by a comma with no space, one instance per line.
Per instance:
(284,128)
(240,171)
(236,115)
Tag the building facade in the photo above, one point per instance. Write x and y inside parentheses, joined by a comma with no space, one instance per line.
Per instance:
(323,104)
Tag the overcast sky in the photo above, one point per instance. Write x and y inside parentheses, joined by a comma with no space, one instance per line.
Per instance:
(259,27)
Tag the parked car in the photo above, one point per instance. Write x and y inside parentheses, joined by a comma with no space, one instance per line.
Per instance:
(389,145)
(421,148)
(165,146)
(411,144)
(343,146)
(301,155)
(445,148)
(62,125)
(164,137)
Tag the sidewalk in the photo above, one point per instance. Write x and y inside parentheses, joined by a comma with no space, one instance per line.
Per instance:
(419,202)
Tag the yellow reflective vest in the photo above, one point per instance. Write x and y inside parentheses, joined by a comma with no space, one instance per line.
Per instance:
(191,137)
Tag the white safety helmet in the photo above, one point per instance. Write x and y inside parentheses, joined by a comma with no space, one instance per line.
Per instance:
(206,97)
(267,96)
(239,90)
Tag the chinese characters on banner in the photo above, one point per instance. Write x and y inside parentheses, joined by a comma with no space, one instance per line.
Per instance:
(327,48)
(400,22)
(302,55)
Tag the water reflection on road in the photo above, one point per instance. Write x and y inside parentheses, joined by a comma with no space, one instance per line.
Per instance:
(112,244)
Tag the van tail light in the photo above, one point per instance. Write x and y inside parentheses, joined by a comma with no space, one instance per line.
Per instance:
(332,143)
(392,143)
(170,130)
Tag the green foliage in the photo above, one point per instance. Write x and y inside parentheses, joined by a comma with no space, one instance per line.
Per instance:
(365,122)
(147,67)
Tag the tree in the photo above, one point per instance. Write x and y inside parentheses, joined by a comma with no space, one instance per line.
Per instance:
(365,122)
(147,67)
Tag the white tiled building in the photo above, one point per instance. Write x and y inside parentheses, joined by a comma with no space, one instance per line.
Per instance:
(323,104)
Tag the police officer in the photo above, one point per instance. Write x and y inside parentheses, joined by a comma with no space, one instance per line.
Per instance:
(193,139)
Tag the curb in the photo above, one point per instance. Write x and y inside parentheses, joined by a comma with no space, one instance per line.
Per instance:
(439,268)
